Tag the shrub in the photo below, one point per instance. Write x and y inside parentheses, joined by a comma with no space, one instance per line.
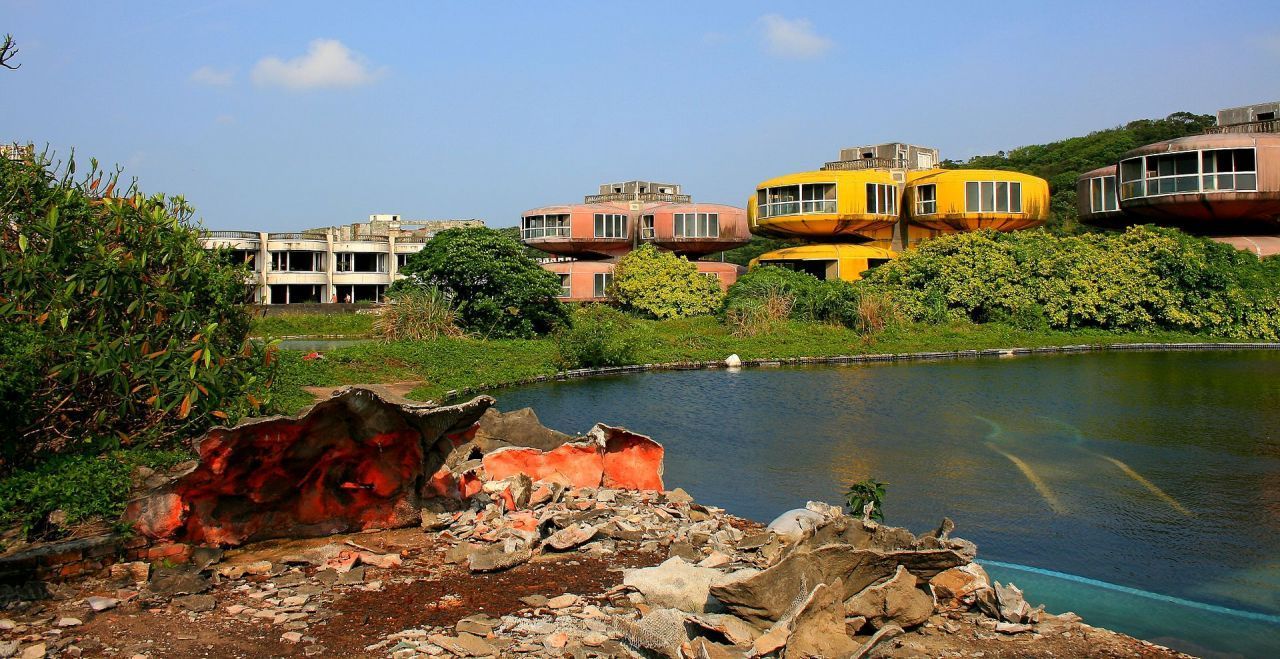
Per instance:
(1143,279)
(417,314)
(600,336)
(497,290)
(120,329)
(663,285)
(761,314)
(862,493)
(812,299)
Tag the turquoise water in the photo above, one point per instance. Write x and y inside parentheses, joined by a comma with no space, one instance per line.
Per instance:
(1144,487)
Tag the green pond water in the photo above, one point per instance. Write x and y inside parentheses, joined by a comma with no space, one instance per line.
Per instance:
(1140,490)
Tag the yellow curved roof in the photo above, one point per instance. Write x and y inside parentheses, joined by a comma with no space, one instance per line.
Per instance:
(958,175)
(830,176)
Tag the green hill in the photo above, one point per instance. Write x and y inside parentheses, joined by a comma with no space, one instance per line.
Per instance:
(1063,161)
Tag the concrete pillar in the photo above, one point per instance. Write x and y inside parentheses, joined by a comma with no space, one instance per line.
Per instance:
(264,269)
(329,257)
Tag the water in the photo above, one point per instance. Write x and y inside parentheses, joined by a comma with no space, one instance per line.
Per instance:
(1144,487)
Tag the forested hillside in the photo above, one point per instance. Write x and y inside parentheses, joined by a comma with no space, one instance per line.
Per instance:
(1061,162)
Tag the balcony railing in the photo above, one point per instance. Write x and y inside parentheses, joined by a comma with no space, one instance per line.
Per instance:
(235,235)
(368,238)
(641,196)
(296,236)
(865,163)
(1268,126)
(545,232)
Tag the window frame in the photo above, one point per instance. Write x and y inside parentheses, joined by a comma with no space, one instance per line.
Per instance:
(566,285)
(1098,191)
(647,228)
(702,222)
(544,228)
(606,224)
(601,281)
(1140,187)
(931,204)
(990,191)
(885,196)
(767,206)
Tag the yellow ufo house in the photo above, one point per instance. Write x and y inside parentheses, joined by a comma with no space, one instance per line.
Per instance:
(874,201)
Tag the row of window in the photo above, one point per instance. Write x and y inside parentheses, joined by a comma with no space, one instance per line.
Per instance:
(613,225)
(882,198)
(601,282)
(1213,170)
(311,261)
(1102,195)
(544,226)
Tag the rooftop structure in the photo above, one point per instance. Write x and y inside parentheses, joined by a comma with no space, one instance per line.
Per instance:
(887,196)
(352,263)
(1257,118)
(591,236)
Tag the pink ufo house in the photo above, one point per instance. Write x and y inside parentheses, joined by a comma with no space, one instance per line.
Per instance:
(587,239)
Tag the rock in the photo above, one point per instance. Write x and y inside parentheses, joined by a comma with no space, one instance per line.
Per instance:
(736,631)
(34,651)
(291,637)
(534,600)
(556,641)
(674,584)
(684,551)
(886,633)
(661,631)
(480,625)
(135,571)
(562,601)
(607,457)
(351,577)
(772,640)
(763,598)
(896,601)
(102,603)
(495,559)
(956,588)
(818,629)
(715,559)
(793,524)
(171,582)
(464,645)
(384,561)
(196,603)
(258,568)
(1012,627)
(349,463)
(69,622)
(594,639)
(570,537)
(1012,606)
(678,495)
(733,361)
(519,428)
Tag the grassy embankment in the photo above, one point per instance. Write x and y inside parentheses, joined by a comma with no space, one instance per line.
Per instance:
(314,325)
(445,364)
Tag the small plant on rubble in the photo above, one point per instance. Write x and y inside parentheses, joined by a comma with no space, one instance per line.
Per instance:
(862,493)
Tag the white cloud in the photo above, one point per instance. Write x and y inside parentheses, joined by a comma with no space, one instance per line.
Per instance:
(207,75)
(327,63)
(793,38)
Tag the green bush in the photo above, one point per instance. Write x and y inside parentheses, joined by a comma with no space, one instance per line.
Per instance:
(81,486)
(812,299)
(497,289)
(1144,279)
(600,336)
(120,328)
(663,285)
(417,314)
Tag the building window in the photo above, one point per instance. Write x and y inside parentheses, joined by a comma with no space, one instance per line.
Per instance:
(610,225)
(402,260)
(1102,195)
(287,261)
(367,262)
(697,225)
(565,289)
(993,197)
(646,227)
(544,226)
(794,199)
(1187,172)
(882,199)
(926,199)
(603,281)
(1230,169)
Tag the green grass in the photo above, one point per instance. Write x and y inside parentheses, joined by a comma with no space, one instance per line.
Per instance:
(446,363)
(338,325)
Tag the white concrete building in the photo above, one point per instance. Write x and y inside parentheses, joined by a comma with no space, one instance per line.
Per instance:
(354,263)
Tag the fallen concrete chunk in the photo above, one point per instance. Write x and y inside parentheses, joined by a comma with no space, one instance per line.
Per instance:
(818,628)
(661,631)
(607,457)
(349,463)
(792,525)
(957,588)
(464,645)
(570,537)
(896,601)
(674,584)
(102,603)
(495,559)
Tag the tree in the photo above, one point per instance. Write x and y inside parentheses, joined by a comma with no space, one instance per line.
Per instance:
(8,50)
(116,326)
(499,291)
(663,285)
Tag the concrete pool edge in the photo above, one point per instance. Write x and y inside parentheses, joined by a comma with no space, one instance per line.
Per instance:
(580,373)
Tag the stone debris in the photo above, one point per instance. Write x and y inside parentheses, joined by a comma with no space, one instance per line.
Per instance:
(513,498)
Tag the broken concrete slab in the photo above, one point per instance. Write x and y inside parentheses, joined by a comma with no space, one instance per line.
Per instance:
(818,629)
(896,601)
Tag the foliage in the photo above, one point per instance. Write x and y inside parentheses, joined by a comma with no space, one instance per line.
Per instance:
(1062,162)
(663,285)
(1144,279)
(417,313)
(133,331)
(497,289)
(759,314)
(352,325)
(81,486)
(755,247)
(812,299)
(599,337)
(870,491)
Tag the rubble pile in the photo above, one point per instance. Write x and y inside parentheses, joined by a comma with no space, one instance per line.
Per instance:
(525,542)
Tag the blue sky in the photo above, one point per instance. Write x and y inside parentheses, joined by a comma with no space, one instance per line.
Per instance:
(280,116)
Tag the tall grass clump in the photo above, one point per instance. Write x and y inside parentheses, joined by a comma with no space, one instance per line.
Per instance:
(757,301)
(417,314)
(760,314)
